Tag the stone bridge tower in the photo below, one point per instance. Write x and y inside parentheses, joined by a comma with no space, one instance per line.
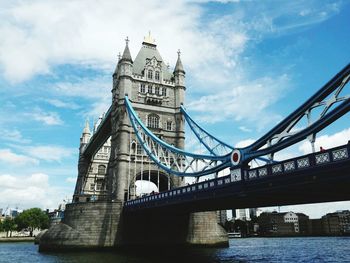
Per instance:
(156,95)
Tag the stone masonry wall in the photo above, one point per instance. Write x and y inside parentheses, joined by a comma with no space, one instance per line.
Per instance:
(85,225)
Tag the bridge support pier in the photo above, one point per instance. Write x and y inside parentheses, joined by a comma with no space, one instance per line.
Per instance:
(89,225)
(101,225)
(204,230)
(161,229)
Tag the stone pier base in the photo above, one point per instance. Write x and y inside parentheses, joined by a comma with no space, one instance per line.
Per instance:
(101,225)
(90,225)
(204,230)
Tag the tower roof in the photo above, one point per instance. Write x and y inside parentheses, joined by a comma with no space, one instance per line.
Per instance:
(179,66)
(126,54)
(86,128)
(148,51)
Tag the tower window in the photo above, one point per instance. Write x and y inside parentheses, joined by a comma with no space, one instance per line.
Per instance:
(139,149)
(142,88)
(164,92)
(157,90)
(156,75)
(150,74)
(99,185)
(92,187)
(168,125)
(150,90)
(153,121)
(101,169)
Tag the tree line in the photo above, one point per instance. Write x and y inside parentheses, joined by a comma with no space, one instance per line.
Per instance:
(30,219)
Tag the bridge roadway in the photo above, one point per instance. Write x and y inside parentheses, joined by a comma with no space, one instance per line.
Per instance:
(313,178)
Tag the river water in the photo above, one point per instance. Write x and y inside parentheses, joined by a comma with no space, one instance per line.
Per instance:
(309,249)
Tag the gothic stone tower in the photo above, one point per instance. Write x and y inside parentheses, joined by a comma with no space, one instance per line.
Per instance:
(156,95)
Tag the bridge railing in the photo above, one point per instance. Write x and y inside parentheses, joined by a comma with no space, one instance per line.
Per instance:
(313,160)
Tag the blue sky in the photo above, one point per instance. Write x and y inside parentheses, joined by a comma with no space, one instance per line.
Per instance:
(248,65)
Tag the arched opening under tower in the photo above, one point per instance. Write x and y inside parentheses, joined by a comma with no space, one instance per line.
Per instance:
(151,181)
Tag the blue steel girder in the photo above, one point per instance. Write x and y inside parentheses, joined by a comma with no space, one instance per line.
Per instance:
(215,146)
(171,159)
(283,136)
(211,143)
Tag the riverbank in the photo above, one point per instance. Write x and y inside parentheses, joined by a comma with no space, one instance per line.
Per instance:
(16,239)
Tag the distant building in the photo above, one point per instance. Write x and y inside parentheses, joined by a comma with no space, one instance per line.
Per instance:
(282,224)
(234,214)
(242,214)
(337,223)
(222,217)
(315,227)
(252,212)
(291,217)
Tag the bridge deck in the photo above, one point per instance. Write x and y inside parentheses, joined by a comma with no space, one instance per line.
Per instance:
(318,177)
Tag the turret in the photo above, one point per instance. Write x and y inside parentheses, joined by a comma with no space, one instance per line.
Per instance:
(179,75)
(85,136)
(122,77)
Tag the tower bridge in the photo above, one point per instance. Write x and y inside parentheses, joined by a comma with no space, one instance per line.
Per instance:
(142,135)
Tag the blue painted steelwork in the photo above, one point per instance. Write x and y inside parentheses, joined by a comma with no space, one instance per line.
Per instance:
(333,87)
(183,162)
(197,130)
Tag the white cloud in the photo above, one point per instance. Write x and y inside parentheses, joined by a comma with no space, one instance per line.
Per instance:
(29,191)
(81,32)
(97,91)
(327,141)
(13,136)
(248,102)
(244,129)
(10,158)
(244,143)
(50,152)
(48,118)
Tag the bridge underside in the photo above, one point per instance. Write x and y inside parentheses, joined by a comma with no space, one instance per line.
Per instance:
(326,184)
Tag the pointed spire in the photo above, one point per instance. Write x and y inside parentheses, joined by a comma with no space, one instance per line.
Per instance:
(126,54)
(179,66)
(87,127)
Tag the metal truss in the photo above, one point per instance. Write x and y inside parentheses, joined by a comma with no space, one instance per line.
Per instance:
(215,146)
(171,159)
(211,143)
(322,109)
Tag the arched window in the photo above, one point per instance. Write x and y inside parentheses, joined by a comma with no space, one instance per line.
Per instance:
(150,74)
(156,76)
(133,148)
(101,169)
(153,121)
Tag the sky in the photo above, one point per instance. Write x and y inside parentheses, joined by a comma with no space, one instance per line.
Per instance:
(248,65)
